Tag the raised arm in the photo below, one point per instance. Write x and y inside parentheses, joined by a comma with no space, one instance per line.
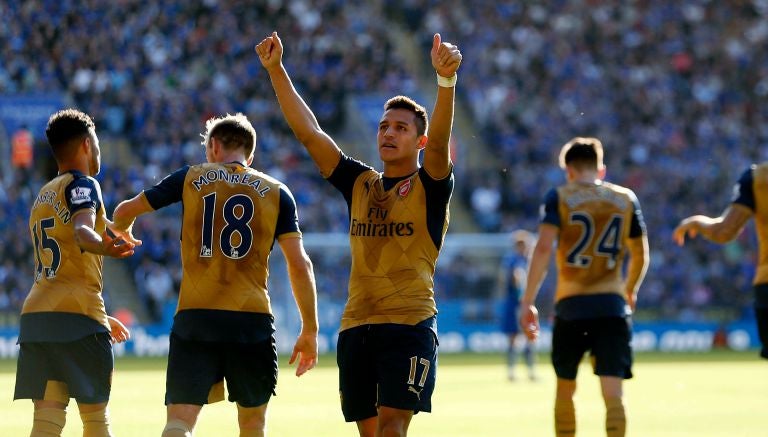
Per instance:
(302,279)
(537,270)
(446,59)
(299,117)
(720,230)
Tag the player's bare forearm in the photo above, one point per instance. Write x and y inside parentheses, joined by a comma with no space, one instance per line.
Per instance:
(638,267)
(303,123)
(126,211)
(296,112)
(719,230)
(90,241)
(302,278)
(446,59)
(437,151)
(537,270)
(305,294)
(539,264)
(125,214)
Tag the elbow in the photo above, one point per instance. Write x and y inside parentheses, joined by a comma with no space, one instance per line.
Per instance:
(80,236)
(308,134)
(308,265)
(543,251)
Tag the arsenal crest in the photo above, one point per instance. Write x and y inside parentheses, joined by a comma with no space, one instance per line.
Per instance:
(405,188)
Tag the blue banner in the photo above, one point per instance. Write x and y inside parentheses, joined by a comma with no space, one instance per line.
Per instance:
(30,110)
(456,336)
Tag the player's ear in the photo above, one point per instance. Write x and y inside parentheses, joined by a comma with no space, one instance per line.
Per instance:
(85,145)
(215,147)
(601,172)
(570,172)
(250,160)
(422,142)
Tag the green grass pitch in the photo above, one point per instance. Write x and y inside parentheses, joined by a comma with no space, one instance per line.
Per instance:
(712,394)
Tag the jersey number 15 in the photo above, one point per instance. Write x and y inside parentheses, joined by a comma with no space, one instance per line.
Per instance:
(44,242)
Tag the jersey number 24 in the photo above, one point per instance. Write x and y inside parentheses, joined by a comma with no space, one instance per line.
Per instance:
(608,240)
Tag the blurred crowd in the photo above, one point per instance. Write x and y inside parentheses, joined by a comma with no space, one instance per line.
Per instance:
(675,90)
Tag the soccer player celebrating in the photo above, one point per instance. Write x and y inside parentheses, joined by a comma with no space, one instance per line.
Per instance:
(595,224)
(65,333)
(746,204)
(223,328)
(387,347)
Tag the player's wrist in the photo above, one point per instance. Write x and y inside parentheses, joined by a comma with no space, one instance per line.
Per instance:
(447,82)
(309,330)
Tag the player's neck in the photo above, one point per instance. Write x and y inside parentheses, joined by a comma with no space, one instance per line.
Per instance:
(398,169)
(68,166)
(231,157)
(586,179)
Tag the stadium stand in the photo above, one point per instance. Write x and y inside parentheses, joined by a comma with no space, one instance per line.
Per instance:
(675,90)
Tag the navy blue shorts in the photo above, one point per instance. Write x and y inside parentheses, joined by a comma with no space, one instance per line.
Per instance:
(608,340)
(389,365)
(197,370)
(80,369)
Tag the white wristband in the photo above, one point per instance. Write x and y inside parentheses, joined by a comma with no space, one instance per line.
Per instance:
(447,82)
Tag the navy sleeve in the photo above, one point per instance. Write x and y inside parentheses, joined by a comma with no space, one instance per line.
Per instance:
(83,193)
(438,190)
(637,226)
(550,208)
(168,191)
(438,194)
(287,218)
(345,174)
(743,191)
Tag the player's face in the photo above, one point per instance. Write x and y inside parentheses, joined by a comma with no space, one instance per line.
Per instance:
(94,164)
(397,138)
(521,247)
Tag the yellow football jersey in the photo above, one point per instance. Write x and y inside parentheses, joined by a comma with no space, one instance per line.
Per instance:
(595,221)
(229,226)
(67,279)
(393,252)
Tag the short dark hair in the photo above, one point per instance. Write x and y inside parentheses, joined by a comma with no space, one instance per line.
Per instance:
(419,113)
(233,131)
(582,153)
(66,126)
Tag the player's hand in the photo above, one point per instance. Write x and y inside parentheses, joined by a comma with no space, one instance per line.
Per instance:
(116,247)
(305,351)
(446,57)
(529,321)
(123,231)
(270,51)
(688,227)
(631,300)
(118,332)
(126,235)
